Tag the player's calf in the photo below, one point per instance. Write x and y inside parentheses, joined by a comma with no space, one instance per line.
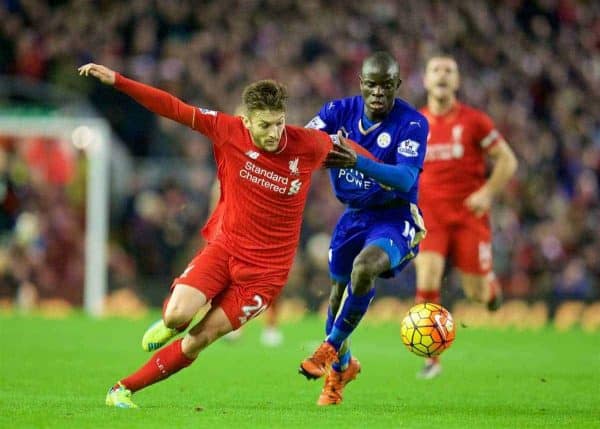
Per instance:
(495,297)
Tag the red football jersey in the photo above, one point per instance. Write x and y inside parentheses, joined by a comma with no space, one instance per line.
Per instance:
(455,161)
(264,193)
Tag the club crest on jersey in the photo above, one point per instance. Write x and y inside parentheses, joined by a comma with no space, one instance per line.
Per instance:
(294,166)
(409,148)
(252,154)
(207,112)
(457,132)
(384,140)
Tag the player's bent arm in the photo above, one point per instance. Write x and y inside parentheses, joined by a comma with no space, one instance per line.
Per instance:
(349,154)
(504,167)
(401,177)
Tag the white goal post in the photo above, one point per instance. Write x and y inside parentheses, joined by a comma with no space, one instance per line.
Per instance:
(92,135)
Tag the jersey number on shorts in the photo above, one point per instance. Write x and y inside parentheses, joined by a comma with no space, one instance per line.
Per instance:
(251,311)
(409,232)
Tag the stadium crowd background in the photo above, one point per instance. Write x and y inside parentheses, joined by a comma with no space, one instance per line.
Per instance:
(533,66)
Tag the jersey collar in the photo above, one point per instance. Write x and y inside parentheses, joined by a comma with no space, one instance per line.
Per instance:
(368,130)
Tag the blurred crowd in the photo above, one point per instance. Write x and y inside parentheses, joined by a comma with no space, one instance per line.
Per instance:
(532,65)
(42,209)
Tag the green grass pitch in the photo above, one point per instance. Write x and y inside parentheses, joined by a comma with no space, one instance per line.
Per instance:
(55,374)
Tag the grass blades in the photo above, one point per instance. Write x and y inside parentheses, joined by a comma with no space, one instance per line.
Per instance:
(55,374)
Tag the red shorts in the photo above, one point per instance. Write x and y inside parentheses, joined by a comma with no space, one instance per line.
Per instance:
(241,289)
(455,232)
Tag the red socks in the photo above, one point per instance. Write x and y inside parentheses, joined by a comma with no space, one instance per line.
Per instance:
(427,296)
(163,364)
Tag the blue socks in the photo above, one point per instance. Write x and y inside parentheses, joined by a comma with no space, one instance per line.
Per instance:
(343,362)
(350,315)
(329,322)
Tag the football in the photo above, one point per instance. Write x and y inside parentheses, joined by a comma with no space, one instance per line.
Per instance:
(428,329)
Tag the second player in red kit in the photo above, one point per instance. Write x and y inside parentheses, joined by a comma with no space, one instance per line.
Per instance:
(456,193)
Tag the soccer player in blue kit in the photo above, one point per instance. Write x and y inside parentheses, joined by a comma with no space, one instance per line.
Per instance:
(379,232)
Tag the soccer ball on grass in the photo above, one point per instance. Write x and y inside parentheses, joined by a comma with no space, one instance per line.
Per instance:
(428,329)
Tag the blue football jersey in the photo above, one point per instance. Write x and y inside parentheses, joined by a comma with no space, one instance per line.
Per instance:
(400,139)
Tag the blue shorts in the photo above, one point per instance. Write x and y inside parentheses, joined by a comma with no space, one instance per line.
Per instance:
(397,231)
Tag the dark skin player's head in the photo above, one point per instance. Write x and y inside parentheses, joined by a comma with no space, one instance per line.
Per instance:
(379,83)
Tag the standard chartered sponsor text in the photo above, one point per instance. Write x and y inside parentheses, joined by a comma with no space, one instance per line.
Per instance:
(265,178)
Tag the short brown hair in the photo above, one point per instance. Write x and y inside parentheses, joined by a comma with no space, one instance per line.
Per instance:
(265,95)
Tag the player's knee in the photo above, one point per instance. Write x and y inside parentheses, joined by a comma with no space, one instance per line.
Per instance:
(175,316)
(362,272)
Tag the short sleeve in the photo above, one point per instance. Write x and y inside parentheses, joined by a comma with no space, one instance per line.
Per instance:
(487,134)
(326,119)
(412,143)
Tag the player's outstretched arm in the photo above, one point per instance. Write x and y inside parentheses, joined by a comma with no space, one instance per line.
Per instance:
(160,102)
(344,155)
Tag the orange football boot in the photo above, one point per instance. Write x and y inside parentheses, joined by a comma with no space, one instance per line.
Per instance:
(319,364)
(335,383)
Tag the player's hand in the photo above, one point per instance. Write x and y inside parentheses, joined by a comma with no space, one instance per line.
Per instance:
(103,74)
(480,201)
(342,155)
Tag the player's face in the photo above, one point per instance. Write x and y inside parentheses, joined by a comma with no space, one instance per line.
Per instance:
(266,128)
(441,77)
(378,87)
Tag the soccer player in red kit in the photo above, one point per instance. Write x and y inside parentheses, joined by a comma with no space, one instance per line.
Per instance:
(265,168)
(455,194)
